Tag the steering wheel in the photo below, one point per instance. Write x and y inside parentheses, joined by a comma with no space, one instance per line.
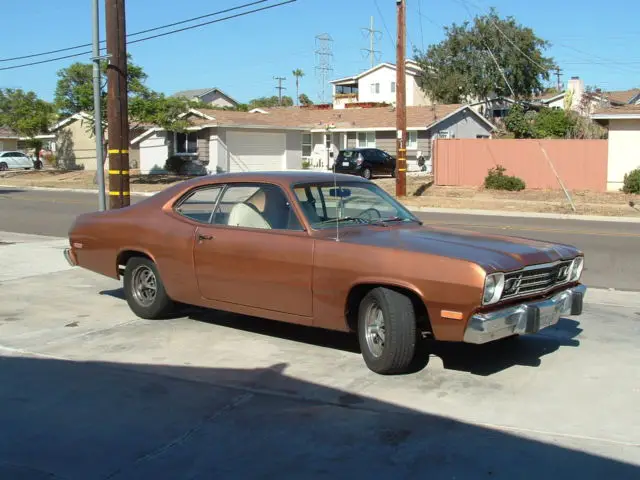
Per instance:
(377,212)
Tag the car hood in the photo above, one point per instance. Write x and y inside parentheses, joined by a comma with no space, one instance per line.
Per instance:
(492,252)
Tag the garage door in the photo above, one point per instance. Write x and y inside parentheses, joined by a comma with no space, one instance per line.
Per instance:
(255,151)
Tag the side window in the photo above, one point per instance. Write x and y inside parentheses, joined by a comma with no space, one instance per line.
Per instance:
(261,206)
(200,204)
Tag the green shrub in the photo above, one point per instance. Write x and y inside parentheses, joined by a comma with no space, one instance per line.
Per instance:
(632,182)
(174,164)
(306,164)
(497,180)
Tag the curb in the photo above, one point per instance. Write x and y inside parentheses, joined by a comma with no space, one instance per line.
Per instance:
(73,190)
(500,213)
(467,211)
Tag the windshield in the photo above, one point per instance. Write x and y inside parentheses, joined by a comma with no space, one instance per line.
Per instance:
(350,203)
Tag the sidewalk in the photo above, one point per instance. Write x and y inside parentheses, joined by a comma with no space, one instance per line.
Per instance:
(23,256)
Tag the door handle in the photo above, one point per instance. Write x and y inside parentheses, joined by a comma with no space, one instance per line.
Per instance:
(202,237)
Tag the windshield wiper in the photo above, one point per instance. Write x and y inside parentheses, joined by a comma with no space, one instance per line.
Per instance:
(384,221)
(342,219)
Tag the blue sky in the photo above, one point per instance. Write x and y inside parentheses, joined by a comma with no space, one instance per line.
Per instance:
(593,40)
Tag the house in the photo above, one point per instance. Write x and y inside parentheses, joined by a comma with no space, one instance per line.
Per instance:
(282,138)
(209,97)
(378,85)
(586,102)
(8,139)
(75,144)
(624,141)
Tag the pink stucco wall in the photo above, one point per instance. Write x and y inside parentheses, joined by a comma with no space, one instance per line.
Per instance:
(581,164)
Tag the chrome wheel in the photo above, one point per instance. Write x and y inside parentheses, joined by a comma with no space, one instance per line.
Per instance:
(144,285)
(375,330)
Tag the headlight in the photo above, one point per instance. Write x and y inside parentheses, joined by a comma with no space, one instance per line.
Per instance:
(576,269)
(493,287)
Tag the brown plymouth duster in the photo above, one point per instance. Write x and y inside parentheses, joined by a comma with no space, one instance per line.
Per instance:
(329,251)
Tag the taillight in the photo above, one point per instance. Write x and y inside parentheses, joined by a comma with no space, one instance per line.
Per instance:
(359,161)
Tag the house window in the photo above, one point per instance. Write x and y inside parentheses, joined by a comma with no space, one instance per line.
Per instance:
(393,87)
(375,88)
(306,144)
(412,140)
(186,143)
(366,140)
(482,136)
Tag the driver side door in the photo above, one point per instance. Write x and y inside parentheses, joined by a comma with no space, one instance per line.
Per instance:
(242,260)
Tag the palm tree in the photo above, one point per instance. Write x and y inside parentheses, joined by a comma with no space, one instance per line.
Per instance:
(298,73)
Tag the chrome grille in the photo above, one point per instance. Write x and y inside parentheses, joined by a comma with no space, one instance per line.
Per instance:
(535,279)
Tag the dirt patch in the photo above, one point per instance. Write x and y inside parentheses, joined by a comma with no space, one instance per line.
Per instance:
(85,180)
(422,193)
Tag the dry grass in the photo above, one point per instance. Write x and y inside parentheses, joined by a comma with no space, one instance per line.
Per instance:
(84,180)
(420,193)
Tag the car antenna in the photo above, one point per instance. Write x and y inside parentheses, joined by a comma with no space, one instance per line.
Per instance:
(335,187)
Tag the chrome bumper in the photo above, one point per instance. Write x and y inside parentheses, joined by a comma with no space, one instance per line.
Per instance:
(68,257)
(529,317)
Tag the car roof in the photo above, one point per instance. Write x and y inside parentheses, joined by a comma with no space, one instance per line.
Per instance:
(284,179)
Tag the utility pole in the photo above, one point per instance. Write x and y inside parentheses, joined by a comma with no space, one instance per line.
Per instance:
(401,103)
(117,105)
(97,107)
(373,36)
(280,88)
(558,75)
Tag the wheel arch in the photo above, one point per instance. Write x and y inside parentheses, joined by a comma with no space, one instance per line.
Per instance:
(126,254)
(359,290)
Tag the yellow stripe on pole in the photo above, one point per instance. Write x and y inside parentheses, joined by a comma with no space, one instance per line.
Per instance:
(115,150)
(117,194)
(118,172)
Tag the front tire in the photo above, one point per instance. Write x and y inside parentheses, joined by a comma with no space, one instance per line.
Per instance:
(387,331)
(3,167)
(144,290)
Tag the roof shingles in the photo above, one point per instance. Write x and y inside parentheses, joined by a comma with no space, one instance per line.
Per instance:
(348,118)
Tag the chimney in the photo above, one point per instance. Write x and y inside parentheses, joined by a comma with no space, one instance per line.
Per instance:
(576,85)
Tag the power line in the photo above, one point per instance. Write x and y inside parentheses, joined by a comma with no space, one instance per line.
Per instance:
(67,49)
(393,43)
(171,32)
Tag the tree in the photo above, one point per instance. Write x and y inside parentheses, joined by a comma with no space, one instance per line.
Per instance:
(298,73)
(462,66)
(517,122)
(552,123)
(26,114)
(305,100)
(270,102)
(74,90)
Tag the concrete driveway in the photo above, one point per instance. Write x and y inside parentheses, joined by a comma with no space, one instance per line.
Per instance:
(89,391)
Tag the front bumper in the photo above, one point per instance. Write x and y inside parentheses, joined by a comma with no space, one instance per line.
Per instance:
(524,318)
(69,257)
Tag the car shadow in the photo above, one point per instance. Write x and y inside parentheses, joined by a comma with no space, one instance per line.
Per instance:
(8,191)
(170,421)
(481,360)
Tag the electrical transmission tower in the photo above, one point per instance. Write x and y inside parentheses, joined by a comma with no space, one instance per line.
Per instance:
(324,62)
(373,35)
(280,88)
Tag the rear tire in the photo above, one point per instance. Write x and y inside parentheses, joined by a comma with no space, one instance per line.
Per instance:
(366,173)
(144,290)
(387,331)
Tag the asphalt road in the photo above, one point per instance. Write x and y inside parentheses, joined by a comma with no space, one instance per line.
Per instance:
(611,248)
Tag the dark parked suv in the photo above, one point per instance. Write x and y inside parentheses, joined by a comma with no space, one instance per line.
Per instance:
(365,162)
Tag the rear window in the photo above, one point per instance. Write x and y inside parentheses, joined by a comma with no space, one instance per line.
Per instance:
(347,155)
